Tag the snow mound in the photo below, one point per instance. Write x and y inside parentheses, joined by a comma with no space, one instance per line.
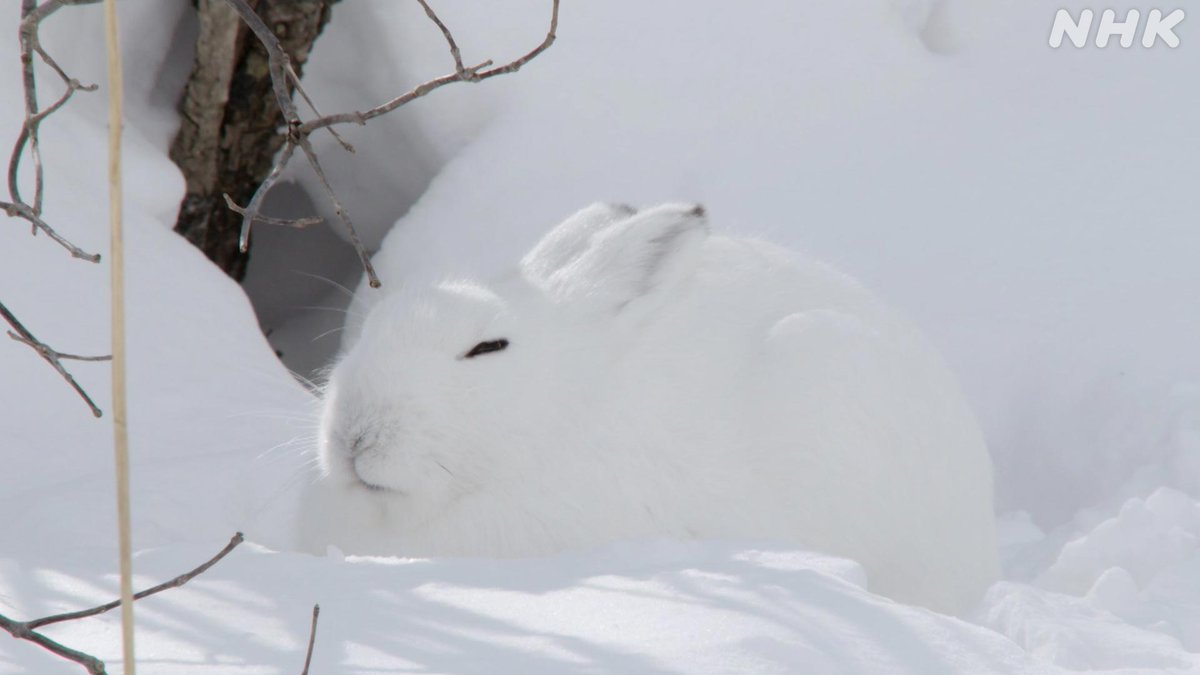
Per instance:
(1147,538)
(634,608)
(1034,210)
(1074,634)
(1141,564)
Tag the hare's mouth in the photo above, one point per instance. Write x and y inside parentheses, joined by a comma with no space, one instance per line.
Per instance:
(375,488)
(361,461)
(372,487)
(368,472)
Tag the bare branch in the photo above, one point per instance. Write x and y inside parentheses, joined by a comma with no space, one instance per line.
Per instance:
(312,638)
(295,80)
(166,585)
(514,66)
(298,131)
(54,358)
(27,630)
(341,213)
(22,210)
(32,15)
(40,347)
(29,129)
(250,213)
(21,631)
(407,97)
(454,51)
(277,59)
(282,74)
(472,74)
(298,223)
(51,6)
(31,18)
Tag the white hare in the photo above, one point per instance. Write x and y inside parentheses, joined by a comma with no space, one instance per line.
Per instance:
(636,376)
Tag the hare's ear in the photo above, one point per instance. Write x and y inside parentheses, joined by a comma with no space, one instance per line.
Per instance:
(569,240)
(635,264)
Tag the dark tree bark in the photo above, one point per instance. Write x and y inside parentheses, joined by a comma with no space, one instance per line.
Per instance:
(230,121)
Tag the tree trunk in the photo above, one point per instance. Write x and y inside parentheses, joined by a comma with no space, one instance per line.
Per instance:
(230,121)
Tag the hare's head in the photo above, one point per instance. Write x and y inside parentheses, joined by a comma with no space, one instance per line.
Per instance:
(452,387)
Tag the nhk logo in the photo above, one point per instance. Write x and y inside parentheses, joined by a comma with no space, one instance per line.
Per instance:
(1157,26)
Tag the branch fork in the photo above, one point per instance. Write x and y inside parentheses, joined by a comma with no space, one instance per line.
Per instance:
(29,630)
(32,14)
(55,358)
(283,78)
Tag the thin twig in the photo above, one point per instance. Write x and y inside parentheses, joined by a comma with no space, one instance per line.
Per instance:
(278,61)
(454,51)
(298,131)
(250,213)
(53,357)
(295,80)
(27,630)
(69,357)
(312,638)
(32,15)
(471,74)
(298,223)
(22,210)
(29,130)
(178,581)
(514,66)
(279,65)
(342,214)
(21,631)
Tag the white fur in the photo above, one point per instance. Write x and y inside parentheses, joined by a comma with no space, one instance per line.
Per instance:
(659,381)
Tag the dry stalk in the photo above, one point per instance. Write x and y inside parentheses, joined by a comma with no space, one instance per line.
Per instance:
(120,399)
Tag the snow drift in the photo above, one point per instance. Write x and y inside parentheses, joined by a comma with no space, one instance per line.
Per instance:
(1032,209)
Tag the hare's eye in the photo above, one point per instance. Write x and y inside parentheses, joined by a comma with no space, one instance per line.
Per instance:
(486,348)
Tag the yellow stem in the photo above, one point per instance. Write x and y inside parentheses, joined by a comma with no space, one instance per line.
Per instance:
(117,261)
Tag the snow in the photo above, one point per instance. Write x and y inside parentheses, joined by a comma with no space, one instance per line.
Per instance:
(1030,209)
(652,607)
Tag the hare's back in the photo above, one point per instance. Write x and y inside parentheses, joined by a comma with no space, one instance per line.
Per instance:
(859,437)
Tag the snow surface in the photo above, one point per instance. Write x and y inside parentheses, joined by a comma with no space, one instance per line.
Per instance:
(1031,209)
